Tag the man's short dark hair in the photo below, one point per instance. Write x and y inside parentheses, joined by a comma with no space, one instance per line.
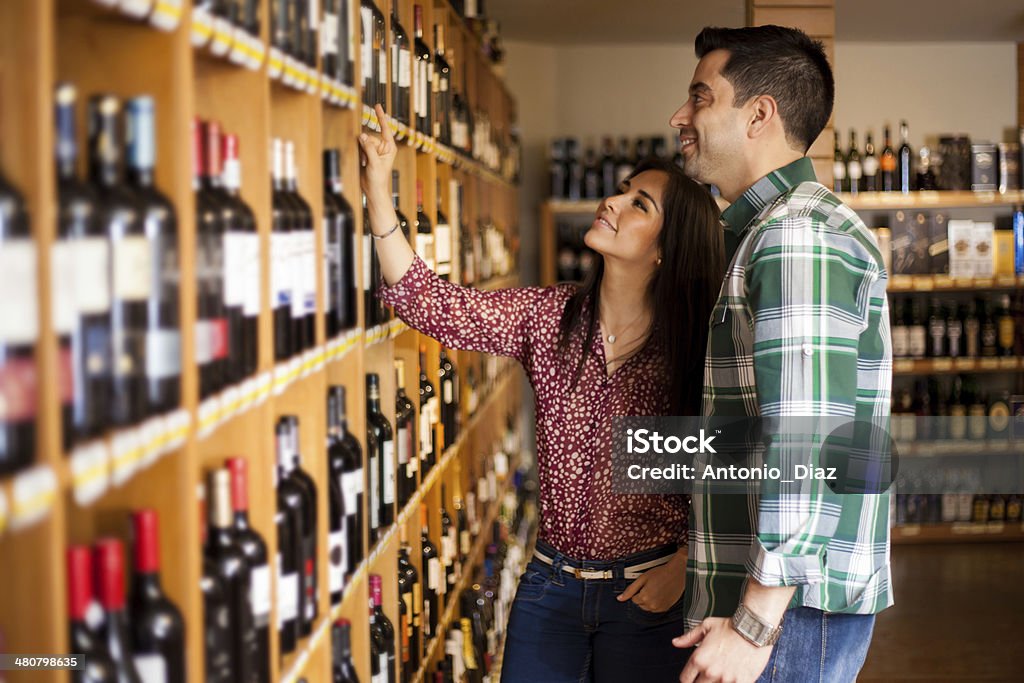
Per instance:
(781,62)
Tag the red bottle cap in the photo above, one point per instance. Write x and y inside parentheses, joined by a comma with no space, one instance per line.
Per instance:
(375,590)
(147,541)
(79,581)
(109,557)
(229,147)
(239,469)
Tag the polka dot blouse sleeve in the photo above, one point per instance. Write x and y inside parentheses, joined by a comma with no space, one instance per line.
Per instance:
(497,322)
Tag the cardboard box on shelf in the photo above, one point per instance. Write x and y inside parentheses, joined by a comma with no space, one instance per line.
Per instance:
(910,239)
(982,251)
(960,235)
(938,244)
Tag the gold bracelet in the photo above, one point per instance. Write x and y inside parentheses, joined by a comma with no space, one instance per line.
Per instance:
(385,235)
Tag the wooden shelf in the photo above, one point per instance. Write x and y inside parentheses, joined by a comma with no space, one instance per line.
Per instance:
(955,366)
(958,532)
(943,283)
(925,449)
(885,201)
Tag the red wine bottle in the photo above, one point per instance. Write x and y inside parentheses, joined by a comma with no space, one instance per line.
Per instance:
(293,528)
(163,334)
(401,69)
(442,240)
(340,283)
(433,581)
(311,569)
(441,89)
(232,567)
(131,262)
(109,561)
(254,548)
(304,256)
(423,69)
(429,417)
(405,438)
(211,325)
(424,231)
(343,670)
(449,549)
(385,632)
(384,457)
(158,630)
(281,285)
(241,264)
(19,331)
(345,461)
(337,561)
(449,380)
(84,640)
(410,590)
(216,610)
(378,655)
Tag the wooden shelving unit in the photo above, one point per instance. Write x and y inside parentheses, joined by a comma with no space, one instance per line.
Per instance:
(257,95)
(958,532)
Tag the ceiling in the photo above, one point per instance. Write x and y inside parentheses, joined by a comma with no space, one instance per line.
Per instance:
(669,21)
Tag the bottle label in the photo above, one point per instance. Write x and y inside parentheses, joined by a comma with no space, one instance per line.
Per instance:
(382,662)
(443,248)
(163,353)
(280,270)
(308,245)
(870,166)
(19,324)
(296,261)
(425,426)
(62,286)
(403,446)
(151,668)
(259,595)
(19,384)
(92,275)
(367,260)
(999,416)
(219,338)
(338,561)
(1006,332)
(419,97)
(329,34)
(854,170)
(234,268)
(918,341)
(389,472)
(251,291)
(434,574)
(351,488)
(839,170)
(332,268)
(404,68)
(133,274)
(448,391)
(204,341)
(287,595)
(374,492)
(464,542)
(425,248)
(366,19)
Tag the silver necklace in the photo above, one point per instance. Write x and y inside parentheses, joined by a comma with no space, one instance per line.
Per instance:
(612,337)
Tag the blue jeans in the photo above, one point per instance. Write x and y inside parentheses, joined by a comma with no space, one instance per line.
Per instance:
(564,630)
(819,647)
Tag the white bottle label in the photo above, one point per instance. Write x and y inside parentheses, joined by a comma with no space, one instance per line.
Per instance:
(448,391)
(389,472)
(280,270)
(251,291)
(329,34)
(854,170)
(163,354)
(336,558)
(62,286)
(404,68)
(366,18)
(374,492)
(382,660)
(92,275)
(351,487)
(418,75)
(234,268)
(204,341)
(367,256)
(287,595)
(443,248)
(295,265)
(403,446)
(839,170)
(308,246)
(259,594)
(425,248)
(426,426)
(19,323)
(133,268)
(434,574)
(151,668)
(870,166)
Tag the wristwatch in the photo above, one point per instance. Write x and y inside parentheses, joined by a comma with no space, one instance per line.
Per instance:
(754,629)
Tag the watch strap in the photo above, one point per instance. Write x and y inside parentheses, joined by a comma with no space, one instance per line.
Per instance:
(754,629)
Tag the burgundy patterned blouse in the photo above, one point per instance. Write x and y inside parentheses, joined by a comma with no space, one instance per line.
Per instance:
(579,514)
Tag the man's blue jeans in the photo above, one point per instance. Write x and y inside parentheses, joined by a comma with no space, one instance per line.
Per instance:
(564,630)
(816,647)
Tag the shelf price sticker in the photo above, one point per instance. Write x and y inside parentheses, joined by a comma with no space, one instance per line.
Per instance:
(202,27)
(223,37)
(240,47)
(263,387)
(178,424)
(246,395)
(32,496)
(257,53)
(275,64)
(90,472)
(125,455)
(136,9)
(231,403)
(151,433)
(208,413)
(166,15)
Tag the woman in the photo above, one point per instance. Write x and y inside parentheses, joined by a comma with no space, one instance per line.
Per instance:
(602,597)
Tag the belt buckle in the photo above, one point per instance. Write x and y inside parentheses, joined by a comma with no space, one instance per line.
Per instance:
(578,573)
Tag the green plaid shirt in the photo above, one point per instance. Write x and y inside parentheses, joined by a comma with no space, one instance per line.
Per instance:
(801,328)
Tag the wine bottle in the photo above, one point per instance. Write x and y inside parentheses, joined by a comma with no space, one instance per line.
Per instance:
(130,264)
(838,166)
(242,282)
(342,668)
(378,655)
(401,68)
(405,439)
(163,336)
(345,460)
(281,285)
(433,581)
(366,51)
(449,380)
(82,618)
(304,259)
(381,56)
(108,556)
(210,330)
(888,163)
(905,161)
(158,630)
(216,610)
(346,44)
(340,282)
(424,231)
(870,165)
(309,537)
(371,272)
(854,169)
(429,417)
(80,288)
(329,40)
(423,69)
(410,590)
(441,89)
(290,523)
(234,570)
(449,549)
(385,473)
(337,535)
(19,331)
(442,240)
(386,631)
(252,545)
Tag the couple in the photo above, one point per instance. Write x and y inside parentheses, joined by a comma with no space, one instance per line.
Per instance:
(781,313)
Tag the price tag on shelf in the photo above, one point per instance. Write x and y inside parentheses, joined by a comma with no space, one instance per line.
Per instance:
(32,496)
(240,47)
(986,197)
(202,27)
(223,37)
(1009,363)
(90,472)
(232,402)
(275,64)
(247,395)
(257,53)
(319,358)
(178,424)
(208,413)
(312,80)
(942,364)
(903,365)
(942,281)
(280,378)
(1006,280)
(151,434)
(136,9)
(988,364)
(166,15)
(264,384)
(125,455)
(964,364)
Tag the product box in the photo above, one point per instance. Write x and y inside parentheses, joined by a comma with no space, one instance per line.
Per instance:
(960,234)
(1004,252)
(938,244)
(1009,166)
(984,166)
(910,239)
(982,249)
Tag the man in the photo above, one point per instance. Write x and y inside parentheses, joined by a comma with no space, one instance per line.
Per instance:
(801,329)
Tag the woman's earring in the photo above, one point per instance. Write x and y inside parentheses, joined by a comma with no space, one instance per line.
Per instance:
(659,261)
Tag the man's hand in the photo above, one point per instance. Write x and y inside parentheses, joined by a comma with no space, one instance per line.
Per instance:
(724,656)
(658,589)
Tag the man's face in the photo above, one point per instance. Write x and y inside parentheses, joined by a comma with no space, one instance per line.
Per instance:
(711,129)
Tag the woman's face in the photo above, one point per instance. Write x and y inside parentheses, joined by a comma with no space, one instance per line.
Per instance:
(627,224)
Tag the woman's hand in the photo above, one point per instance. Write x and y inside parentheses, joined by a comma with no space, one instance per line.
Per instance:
(658,589)
(378,158)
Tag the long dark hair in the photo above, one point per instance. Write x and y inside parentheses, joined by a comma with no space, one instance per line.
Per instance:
(681,293)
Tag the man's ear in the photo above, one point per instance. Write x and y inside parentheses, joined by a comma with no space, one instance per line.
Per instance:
(764,111)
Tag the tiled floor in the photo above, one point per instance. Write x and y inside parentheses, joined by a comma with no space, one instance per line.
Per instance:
(959,615)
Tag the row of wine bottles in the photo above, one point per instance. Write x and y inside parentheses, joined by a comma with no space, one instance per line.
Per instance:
(594,175)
